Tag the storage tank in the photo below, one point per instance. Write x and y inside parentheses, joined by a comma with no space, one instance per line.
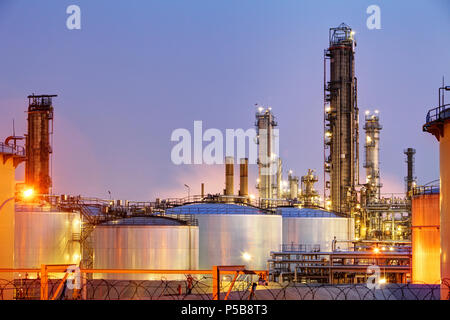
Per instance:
(145,243)
(312,227)
(43,236)
(425,235)
(232,234)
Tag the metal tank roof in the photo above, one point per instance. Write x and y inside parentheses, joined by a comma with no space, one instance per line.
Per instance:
(215,208)
(143,221)
(306,213)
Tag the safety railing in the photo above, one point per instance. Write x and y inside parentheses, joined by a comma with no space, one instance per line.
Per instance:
(15,150)
(439,113)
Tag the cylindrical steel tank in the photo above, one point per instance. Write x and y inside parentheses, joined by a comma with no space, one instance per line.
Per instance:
(145,243)
(45,237)
(438,124)
(312,227)
(232,234)
(444,149)
(426,236)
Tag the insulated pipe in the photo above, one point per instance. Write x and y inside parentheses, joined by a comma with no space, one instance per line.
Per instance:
(229,176)
(243,192)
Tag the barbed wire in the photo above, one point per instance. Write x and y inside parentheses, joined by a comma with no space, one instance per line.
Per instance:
(200,288)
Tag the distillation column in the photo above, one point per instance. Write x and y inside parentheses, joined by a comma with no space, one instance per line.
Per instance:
(267,140)
(341,121)
(293,186)
(438,124)
(372,128)
(38,147)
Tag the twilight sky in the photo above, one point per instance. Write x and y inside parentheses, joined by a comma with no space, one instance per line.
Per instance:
(137,70)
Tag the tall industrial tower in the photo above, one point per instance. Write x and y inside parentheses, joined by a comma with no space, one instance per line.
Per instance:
(268,163)
(372,162)
(38,147)
(341,121)
(410,179)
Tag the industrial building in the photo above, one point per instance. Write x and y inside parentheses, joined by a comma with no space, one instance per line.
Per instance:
(288,229)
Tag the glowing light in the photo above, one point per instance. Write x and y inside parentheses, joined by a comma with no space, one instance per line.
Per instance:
(28,193)
(252,196)
(76,222)
(382,281)
(368,139)
(383,248)
(328,134)
(76,257)
(260,109)
(391,249)
(377,112)
(376,250)
(367,112)
(246,256)
(328,109)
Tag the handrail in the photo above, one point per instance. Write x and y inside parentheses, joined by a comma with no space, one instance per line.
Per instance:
(15,150)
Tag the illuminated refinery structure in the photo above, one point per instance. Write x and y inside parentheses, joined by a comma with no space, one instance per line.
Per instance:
(269,165)
(289,227)
(341,172)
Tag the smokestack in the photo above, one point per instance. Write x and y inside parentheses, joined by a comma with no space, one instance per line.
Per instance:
(410,179)
(243,192)
(203,190)
(38,148)
(229,176)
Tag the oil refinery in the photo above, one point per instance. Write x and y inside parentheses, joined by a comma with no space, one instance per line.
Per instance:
(234,244)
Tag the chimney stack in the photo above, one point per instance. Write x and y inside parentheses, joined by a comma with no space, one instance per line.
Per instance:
(229,176)
(243,190)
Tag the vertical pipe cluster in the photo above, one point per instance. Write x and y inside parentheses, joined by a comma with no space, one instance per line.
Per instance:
(341,120)
(38,148)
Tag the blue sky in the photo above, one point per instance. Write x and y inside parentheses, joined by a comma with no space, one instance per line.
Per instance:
(137,70)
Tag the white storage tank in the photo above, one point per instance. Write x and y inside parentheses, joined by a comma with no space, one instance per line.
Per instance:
(43,236)
(232,234)
(145,243)
(313,227)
